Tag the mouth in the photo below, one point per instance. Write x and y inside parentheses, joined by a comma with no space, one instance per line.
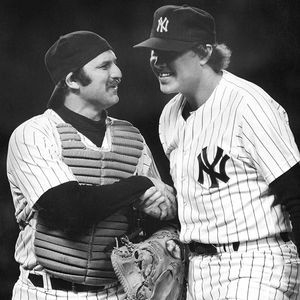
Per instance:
(164,74)
(114,84)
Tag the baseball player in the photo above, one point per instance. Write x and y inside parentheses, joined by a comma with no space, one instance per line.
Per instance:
(76,176)
(234,163)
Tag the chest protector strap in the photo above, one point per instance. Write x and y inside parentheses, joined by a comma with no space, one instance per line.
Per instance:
(82,259)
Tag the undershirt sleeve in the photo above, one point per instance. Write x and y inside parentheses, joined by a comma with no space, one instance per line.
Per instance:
(287,192)
(70,204)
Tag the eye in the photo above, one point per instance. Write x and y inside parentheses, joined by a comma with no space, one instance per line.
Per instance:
(104,66)
(169,56)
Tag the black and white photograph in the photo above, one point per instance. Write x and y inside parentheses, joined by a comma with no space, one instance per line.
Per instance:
(150,150)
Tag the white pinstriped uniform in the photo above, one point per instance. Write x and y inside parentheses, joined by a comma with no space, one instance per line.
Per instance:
(34,165)
(250,132)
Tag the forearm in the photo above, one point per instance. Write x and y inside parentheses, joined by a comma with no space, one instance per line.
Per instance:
(293,208)
(287,192)
(71,204)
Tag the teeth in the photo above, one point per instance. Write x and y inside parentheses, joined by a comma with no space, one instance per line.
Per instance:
(164,74)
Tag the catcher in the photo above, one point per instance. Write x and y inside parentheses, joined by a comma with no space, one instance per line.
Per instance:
(76,176)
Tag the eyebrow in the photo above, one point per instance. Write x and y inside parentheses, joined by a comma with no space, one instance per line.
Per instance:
(106,61)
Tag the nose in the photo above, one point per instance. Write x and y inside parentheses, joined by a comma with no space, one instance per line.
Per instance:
(116,72)
(157,60)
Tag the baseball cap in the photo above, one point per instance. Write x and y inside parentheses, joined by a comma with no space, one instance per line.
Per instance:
(71,52)
(179,28)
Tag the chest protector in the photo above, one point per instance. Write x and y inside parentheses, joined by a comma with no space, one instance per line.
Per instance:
(82,258)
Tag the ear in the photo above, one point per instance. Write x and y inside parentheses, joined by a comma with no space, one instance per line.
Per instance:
(208,51)
(70,82)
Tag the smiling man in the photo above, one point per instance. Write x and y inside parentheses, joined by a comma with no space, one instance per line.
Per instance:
(77,177)
(234,163)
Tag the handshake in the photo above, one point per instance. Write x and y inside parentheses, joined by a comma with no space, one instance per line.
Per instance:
(159,201)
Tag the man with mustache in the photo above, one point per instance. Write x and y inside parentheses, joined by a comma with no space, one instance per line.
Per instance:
(80,179)
(234,163)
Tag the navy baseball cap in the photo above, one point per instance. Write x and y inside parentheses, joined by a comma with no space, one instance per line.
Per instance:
(179,28)
(71,52)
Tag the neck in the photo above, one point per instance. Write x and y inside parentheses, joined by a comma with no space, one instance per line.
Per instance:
(205,88)
(81,107)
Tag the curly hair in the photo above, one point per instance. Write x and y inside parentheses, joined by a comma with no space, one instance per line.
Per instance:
(220,56)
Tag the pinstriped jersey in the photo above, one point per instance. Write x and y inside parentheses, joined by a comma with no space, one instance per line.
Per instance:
(222,159)
(34,165)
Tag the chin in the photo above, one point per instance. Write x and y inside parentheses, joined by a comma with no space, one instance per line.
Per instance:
(115,101)
(112,102)
(167,89)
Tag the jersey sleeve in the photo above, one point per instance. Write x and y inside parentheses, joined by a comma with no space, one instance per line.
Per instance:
(34,163)
(267,138)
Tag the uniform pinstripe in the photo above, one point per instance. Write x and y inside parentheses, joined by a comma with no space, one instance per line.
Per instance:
(222,159)
(34,165)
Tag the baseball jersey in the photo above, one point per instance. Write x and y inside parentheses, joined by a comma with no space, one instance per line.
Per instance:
(34,165)
(222,159)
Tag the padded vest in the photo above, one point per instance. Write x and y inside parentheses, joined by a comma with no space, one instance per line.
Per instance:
(83,259)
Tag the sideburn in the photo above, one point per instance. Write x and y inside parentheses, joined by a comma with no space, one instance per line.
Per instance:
(81,76)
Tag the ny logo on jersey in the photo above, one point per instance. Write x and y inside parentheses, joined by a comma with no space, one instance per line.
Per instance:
(162,25)
(209,168)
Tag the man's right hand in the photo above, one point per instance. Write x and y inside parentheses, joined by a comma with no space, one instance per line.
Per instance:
(159,201)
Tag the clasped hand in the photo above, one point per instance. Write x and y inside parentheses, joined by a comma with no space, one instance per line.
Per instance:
(159,201)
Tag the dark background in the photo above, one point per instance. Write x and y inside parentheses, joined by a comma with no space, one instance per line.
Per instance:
(263,35)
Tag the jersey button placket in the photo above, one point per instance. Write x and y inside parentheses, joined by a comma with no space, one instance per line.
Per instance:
(186,148)
(179,159)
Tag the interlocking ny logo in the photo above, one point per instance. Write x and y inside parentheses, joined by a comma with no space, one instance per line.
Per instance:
(205,166)
(162,25)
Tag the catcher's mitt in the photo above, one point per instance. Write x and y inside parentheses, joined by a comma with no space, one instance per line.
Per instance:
(149,269)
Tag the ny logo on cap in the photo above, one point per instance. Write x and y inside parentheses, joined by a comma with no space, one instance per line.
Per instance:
(162,25)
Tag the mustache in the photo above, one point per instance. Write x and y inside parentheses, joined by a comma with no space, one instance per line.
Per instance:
(115,81)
